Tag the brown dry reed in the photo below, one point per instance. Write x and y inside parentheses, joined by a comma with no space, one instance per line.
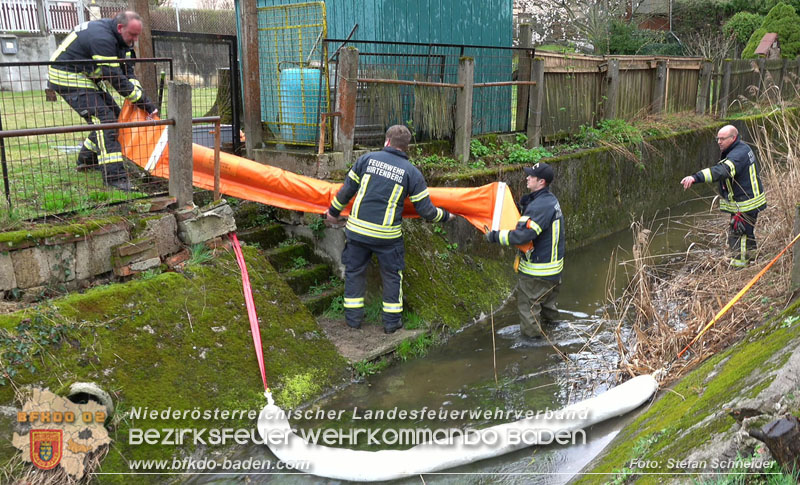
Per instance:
(669,299)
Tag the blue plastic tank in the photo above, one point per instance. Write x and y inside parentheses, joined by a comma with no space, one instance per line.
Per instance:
(299,104)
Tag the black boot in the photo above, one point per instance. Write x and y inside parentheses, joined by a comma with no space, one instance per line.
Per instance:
(114,175)
(87,160)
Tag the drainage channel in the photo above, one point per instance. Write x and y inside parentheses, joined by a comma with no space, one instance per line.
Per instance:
(532,376)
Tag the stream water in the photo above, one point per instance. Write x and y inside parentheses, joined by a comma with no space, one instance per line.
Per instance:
(531,375)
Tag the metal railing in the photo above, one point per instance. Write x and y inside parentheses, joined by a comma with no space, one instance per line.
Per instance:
(415,84)
(42,137)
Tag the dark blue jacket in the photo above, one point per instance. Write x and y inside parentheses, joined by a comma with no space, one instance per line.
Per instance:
(543,223)
(380,182)
(97,40)
(739,181)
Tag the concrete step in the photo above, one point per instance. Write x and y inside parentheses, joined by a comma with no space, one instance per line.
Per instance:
(300,280)
(266,237)
(317,304)
(286,258)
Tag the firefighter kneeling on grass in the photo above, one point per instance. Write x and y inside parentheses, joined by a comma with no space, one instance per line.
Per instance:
(380,182)
(84,86)
(542,223)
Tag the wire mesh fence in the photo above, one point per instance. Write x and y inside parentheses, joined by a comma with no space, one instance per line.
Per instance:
(293,71)
(208,63)
(56,172)
(429,110)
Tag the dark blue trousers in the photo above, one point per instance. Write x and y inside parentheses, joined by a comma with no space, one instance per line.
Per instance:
(391,259)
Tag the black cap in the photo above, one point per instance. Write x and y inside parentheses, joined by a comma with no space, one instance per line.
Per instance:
(541,170)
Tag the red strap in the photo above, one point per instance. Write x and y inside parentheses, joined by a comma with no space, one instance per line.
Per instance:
(251,307)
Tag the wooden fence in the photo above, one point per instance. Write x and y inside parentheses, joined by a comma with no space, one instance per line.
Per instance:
(741,82)
(581,89)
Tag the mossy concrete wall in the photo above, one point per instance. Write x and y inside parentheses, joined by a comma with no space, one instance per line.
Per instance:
(179,341)
(699,418)
(601,190)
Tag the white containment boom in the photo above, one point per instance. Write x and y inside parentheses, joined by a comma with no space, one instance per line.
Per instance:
(366,466)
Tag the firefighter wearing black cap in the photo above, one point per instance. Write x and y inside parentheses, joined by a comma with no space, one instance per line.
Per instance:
(84,86)
(541,223)
(742,195)
(380,182)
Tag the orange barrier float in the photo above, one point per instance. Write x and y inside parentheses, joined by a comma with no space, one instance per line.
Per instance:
(489,206)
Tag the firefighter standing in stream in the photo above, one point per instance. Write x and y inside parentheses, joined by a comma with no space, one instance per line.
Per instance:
(742,195)
(539,268)
(83,86)
(380,182)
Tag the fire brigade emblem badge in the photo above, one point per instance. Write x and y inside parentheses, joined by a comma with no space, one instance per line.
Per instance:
(46,447)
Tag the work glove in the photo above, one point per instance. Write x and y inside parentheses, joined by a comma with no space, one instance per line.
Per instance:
(491,236)
(146,105)
(737,224)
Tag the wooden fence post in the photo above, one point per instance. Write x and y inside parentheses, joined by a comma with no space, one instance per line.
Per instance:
(346,102)
(782,82)
(659,87)
(41,17)
(251,82)
(762,75)
(523,74)
(146,72)
(703,87)
(612,90)
(726,88)
(463,121)
(535,104)
(181,165)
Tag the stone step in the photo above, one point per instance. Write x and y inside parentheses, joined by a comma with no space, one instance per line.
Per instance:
(300,280)
(266,237)
(285,258)
(317,304)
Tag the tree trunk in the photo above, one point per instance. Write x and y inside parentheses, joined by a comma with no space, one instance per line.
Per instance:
(222,104)
(782,437)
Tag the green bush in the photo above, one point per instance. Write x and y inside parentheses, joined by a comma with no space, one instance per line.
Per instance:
(784,21)
(742,25)
(627,39)
(691,16)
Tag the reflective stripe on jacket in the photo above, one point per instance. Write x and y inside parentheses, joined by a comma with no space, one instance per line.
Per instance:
(97,40)
(380,182)
(739,181)
(543,223)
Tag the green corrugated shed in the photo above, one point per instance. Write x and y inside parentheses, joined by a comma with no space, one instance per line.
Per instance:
(476,22)
(470,22)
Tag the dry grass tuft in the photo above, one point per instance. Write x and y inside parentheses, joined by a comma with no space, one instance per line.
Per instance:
(669,300)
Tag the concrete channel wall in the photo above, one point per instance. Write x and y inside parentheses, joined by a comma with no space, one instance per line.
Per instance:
(601,191)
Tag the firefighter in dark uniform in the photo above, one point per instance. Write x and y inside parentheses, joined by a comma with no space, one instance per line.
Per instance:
(380,182)
(84,86)
(539,268)
(742,195)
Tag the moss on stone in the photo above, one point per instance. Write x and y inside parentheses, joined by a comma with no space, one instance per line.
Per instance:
(182,341)
(445,285)
(693,415)
(13,239)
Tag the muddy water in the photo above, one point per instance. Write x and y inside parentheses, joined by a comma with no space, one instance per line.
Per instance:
(531,375)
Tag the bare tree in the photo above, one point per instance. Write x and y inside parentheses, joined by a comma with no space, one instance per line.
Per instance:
(576,20)
(215,4)
(709,45)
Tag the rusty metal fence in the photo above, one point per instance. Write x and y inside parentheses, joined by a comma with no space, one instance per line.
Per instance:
(48,169)
(407,83)
(209,64)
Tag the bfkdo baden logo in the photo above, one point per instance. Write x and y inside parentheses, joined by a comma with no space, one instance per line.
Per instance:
(46,447)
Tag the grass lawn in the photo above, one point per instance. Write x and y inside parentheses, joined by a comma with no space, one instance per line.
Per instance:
(42,179)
